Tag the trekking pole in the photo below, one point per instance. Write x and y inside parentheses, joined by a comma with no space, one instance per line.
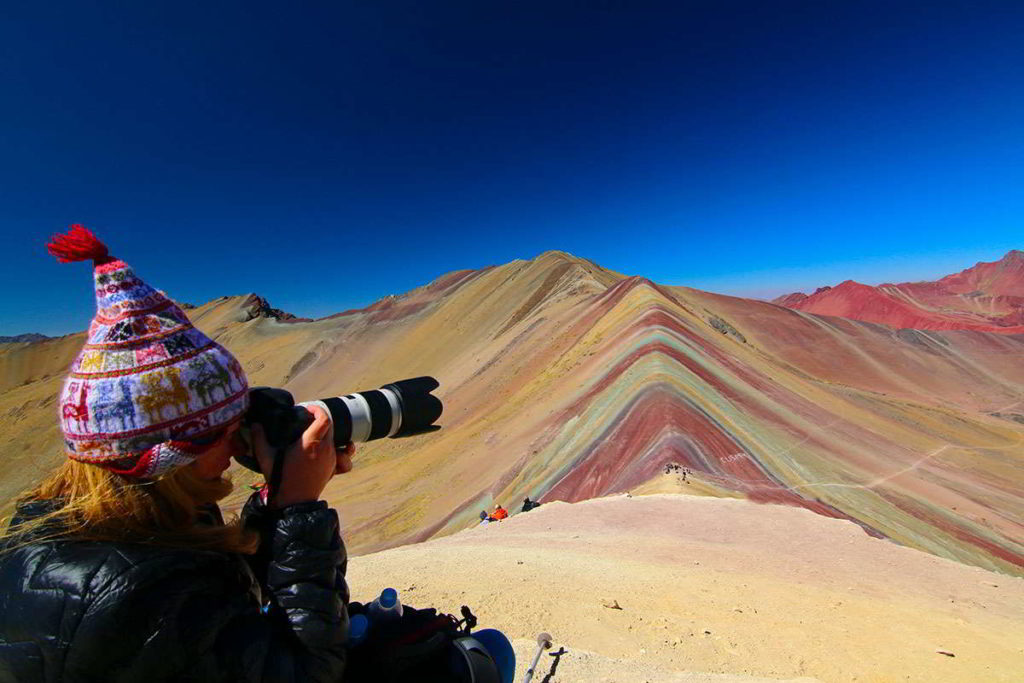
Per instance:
(543,643)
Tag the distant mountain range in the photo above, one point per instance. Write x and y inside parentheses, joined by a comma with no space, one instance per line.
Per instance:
(21,338)
(563,380)
(988,297)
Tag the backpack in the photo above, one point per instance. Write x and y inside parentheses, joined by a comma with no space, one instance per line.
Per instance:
(422,646)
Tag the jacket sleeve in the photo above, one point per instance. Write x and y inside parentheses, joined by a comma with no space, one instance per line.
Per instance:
(300,541)
(194,618)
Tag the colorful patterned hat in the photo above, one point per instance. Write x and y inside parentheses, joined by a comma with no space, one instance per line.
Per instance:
(147,385)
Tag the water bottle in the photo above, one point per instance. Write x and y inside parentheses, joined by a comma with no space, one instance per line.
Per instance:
(358,627)
(385,608)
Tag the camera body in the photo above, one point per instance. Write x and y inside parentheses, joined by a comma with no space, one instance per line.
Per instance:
(402,408)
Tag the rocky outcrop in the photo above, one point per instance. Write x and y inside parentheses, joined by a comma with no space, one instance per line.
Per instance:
(257,307)
(725,328)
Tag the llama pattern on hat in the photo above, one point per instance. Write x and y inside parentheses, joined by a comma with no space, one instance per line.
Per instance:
(114,410)
(164,389)
(76,410)
(210,379)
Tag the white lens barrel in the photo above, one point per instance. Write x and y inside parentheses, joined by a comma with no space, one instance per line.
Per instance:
(358,410)
(396,410)
(362,419)
(361,414)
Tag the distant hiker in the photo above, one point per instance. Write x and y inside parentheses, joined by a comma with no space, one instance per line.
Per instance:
(499,513)
(529,504)
(484,519)
(119,565)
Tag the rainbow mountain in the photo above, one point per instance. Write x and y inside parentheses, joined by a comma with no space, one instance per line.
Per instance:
(563,380)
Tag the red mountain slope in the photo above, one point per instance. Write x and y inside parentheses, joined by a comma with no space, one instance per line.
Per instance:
(987,298)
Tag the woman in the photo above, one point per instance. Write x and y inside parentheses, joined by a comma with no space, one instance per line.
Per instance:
(118,567)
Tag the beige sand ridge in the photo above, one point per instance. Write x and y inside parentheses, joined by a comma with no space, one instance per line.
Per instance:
(713,589)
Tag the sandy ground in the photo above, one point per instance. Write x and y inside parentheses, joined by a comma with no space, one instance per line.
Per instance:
(562,664)
(680,588)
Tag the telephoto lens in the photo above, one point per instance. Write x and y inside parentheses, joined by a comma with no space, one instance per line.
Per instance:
(402,408)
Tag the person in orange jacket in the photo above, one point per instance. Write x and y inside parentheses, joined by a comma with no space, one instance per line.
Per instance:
(499,513)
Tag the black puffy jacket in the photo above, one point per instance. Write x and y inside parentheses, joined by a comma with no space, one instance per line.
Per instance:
(77,611)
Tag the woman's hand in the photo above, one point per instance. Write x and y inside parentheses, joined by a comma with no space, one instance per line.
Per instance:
(308,465)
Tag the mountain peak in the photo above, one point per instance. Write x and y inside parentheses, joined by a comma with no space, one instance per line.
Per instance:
(257,307)
(556,256)
(555,253)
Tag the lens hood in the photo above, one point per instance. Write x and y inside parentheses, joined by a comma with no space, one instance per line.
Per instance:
(420,409)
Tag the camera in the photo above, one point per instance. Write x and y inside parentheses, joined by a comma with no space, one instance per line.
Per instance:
(402,408)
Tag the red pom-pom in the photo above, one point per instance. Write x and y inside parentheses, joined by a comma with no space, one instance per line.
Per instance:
(78,245)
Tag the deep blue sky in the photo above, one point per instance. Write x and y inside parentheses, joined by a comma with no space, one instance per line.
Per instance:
(325,154)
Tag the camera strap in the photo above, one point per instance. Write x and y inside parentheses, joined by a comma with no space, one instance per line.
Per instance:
(275,476)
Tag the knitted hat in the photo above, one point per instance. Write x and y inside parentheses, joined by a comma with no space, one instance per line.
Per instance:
(147,383)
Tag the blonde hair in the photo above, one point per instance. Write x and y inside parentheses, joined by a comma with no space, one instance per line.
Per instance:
(94,504)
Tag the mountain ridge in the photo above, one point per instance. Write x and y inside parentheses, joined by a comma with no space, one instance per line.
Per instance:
(987,297)
(28,337)
(563,380)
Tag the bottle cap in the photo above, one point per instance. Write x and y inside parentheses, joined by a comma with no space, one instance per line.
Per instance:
(358,625)
(388,598)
